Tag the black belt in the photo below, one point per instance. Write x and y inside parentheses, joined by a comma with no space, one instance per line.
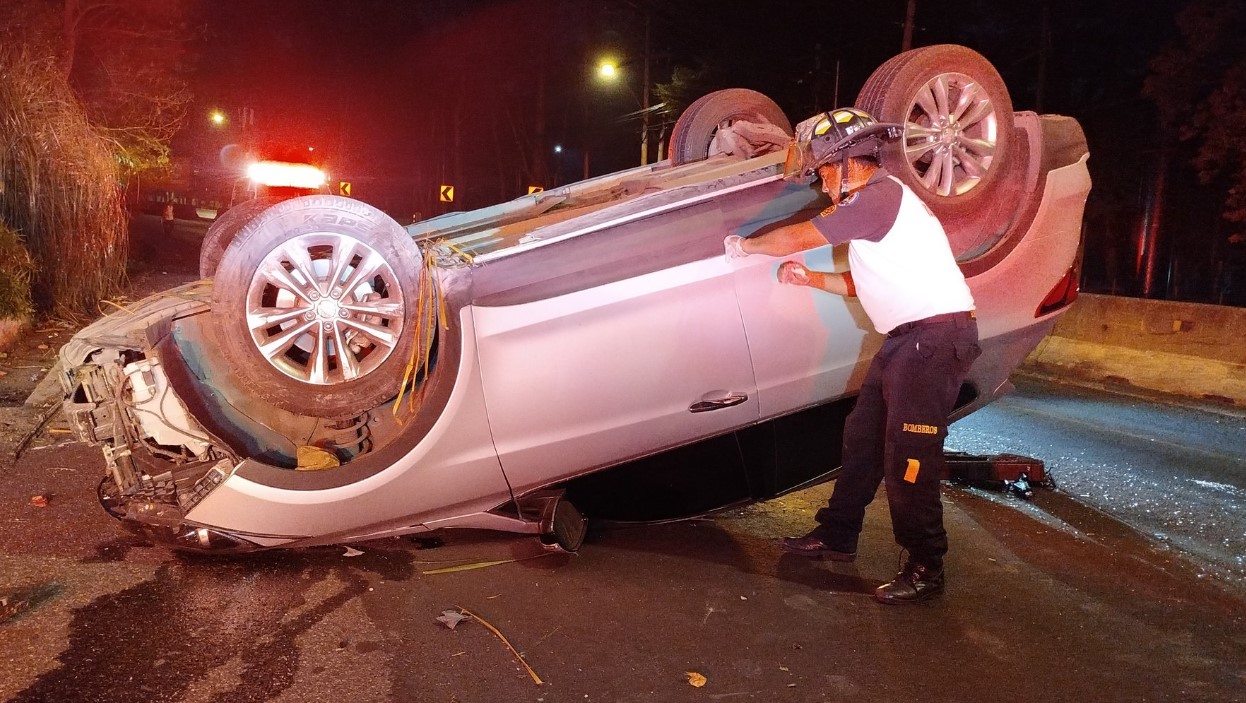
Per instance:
(960,318)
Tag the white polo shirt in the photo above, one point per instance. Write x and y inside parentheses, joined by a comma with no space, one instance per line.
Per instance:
(901,262)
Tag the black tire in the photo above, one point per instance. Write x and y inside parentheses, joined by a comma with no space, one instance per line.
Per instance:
(295,243)
(695,128)
(974,145)
(223,230)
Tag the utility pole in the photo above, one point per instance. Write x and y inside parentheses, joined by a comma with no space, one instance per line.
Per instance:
(835,96)
(644,105)
(909,13)
(1148,239)
(1044,49)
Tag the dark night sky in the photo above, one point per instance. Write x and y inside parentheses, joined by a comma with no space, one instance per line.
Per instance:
(402,96)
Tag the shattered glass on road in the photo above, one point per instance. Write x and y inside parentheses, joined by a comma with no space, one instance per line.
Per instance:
(1173,473)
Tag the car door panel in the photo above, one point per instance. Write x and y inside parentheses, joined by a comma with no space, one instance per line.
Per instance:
(807,346)
(592,378)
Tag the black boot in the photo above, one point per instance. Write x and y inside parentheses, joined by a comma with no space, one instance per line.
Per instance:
(915,582)
(812,546)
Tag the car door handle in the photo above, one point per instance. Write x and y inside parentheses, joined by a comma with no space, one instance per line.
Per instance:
(706,405)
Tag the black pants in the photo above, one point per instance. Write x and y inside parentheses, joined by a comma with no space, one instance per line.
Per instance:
(895,434)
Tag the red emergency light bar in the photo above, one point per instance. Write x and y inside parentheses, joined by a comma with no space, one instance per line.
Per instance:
(280,173)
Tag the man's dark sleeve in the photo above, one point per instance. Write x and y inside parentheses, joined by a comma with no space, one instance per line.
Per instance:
(869,215)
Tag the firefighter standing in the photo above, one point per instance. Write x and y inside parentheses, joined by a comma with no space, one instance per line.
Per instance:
(907,279)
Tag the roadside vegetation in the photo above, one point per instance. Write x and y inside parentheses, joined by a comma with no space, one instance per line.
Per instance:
(90,95)
(61,194)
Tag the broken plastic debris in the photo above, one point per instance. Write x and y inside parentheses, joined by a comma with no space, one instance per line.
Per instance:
(451,618)
(39,501)
(352,552)
(316,459)
(695,679)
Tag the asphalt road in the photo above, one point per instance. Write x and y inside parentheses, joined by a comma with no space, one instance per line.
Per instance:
(1174,473)
(1126,584)
(1050,600)
(152,253)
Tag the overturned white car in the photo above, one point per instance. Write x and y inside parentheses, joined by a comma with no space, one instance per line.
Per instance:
(585,351)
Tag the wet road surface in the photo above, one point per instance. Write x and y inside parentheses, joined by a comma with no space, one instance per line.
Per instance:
(1050,600)
(1177,474)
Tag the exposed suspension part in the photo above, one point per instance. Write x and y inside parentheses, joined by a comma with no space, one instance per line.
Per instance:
(351,437)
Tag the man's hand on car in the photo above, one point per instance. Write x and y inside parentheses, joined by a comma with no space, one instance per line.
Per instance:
(793,273)
(734,246)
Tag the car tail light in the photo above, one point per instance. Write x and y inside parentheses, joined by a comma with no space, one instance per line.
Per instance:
(1062,295)
(279,173)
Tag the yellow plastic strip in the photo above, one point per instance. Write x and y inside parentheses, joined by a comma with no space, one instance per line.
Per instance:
(122,308)
(466,257)
(467,567)
(426,295)
(478,564)
(431,313)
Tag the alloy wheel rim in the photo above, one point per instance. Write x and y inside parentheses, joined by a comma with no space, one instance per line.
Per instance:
(950,134)
(325,309)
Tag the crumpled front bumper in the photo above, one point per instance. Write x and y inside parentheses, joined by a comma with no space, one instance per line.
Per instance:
(160,462)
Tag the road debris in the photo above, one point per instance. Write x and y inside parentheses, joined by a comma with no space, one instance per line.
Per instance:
(39,501)
(15,602)
(468,567)
(46,415)
(351,552)
(547,635)
(480,564)
(451,618)
(696,680)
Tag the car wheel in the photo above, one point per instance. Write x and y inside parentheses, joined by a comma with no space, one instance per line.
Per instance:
(315,301)
(224,229)
(958,125)
(695,128)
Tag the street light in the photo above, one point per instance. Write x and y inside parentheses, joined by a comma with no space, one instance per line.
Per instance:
(609,70)
(217,118)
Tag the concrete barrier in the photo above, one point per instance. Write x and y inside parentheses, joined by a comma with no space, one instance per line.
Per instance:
(1187,349)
